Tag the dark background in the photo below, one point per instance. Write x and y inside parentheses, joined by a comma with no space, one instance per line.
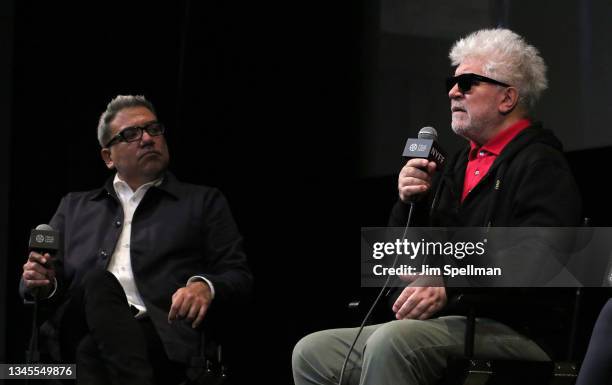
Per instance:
(297,112)
(409,55)
(260,100)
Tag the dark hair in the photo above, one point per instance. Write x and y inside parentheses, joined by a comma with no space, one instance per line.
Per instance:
(119,103)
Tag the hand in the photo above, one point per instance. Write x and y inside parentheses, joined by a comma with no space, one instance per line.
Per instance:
(36,271)
(415,178)
(191,303)
(417,302)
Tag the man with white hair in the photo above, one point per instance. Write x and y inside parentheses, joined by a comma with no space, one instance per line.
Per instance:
(512,173)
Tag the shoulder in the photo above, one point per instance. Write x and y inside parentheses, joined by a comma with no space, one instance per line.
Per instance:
(186,189)
(541,154)
(83,196)
(536,145)
(207,195)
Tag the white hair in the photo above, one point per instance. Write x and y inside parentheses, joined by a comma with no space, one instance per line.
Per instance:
(508,58)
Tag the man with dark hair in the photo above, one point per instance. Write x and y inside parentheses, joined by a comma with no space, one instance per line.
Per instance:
(143,260)
(512,173)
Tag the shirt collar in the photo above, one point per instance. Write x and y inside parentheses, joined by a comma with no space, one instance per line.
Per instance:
(499,141)
(168,184)
(118,183)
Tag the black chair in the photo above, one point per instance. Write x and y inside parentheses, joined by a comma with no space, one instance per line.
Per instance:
(206,368)
(468,370)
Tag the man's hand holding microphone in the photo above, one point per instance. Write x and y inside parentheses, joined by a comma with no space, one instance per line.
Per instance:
(38,273)
(415,178)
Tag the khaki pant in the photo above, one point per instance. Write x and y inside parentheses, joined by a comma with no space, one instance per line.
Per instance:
(409,352)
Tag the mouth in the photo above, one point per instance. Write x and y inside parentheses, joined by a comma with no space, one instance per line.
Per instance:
(457,109)
(147,153)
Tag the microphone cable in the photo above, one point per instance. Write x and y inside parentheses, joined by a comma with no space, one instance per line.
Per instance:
(380,293)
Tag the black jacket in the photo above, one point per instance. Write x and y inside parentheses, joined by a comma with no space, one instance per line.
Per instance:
(179,230)
(529,185)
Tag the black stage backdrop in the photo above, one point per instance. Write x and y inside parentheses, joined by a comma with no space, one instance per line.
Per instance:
(6,46)
(260,100)
(283,106)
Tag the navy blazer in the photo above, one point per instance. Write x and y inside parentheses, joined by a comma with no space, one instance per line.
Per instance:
(179,230)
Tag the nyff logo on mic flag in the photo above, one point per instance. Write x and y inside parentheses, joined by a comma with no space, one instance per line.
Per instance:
(423,148)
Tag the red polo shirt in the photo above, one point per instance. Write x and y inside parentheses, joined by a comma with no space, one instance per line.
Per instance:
(480,159)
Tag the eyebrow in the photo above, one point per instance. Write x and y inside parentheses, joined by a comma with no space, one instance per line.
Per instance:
(139,125)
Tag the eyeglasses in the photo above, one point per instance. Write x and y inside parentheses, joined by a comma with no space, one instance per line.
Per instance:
(466,81)
(134,133)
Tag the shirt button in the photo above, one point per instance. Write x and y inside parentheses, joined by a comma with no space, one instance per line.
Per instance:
(476,172)
(118,223)
(481,153)
(103,253)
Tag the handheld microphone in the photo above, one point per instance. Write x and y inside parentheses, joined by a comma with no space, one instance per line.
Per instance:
(425,146)
(43,239)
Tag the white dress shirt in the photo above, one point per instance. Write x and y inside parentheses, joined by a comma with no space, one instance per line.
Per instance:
(120,264)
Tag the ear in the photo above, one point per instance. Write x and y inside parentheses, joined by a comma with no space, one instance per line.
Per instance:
(509,100)
(106,157)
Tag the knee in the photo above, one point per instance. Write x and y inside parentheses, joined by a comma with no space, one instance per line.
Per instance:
(307,349)
(604,320)
(397,338)
(315,359)
(606,312)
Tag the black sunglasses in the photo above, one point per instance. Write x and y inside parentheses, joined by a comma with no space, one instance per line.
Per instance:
(466,81)
(134,133)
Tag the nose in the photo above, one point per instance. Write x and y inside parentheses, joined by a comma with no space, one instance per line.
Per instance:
(454,92)
(146,138)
